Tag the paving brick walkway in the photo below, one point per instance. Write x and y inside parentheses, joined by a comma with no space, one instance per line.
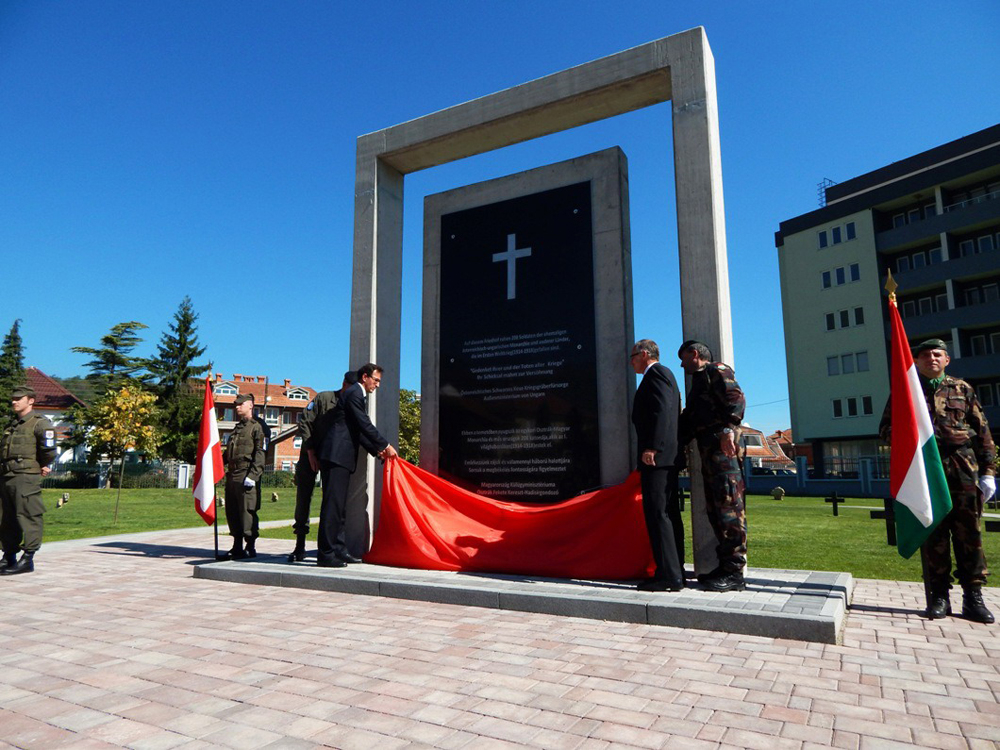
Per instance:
(115,644)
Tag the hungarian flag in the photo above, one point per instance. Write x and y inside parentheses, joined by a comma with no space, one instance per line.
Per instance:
(916,476)
(209,470)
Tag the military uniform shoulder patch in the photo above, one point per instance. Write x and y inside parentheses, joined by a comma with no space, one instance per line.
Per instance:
(309,408)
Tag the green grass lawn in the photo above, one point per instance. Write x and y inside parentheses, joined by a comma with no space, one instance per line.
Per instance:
(795,533)
(90,512)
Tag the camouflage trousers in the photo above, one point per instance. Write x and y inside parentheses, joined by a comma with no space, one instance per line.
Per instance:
(724,493)
(959,529)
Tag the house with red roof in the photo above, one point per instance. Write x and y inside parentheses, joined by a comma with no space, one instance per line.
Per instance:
(54,401)
(279,404)
(763,452)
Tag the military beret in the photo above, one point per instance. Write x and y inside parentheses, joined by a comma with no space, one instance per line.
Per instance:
(923,346)
(243,398)
(22,390)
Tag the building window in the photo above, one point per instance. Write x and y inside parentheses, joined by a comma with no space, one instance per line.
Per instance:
(966,248)
(841,276)
(835,234)
(288,417)
(227,414)
(978,344)
(898,220)
(930,210)
(286,465)
(838,408)
(919,260)
(926,305)
(861,358)
(822,239)
(913,215)
(973,296)
(847,363)
(990,292)
(986,243)
(852,407)
(833,366)
(271,415)
(298,395)
(845,319)
(935,255)
(859,316)
(826,280)
(850,230)
(985,393)
(225,389)
(855,272)
(830,322)
(941,302)
(995,342)
(903,263)
(297,443)
(866,405)
(909,309)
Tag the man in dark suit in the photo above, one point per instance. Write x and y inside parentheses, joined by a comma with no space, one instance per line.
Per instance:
(349,429)
(655,411)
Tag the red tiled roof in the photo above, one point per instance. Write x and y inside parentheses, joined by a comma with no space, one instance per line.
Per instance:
(49,395)
(256,385)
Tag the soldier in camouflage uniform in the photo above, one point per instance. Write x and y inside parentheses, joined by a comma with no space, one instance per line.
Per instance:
(712,416)
(244,458)
(27,447)
(968,455)
(312,430)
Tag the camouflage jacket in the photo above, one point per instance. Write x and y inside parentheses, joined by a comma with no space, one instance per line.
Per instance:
(960,426)
(244,454)
(714,402)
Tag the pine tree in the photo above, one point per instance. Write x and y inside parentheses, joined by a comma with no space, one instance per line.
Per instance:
(113,364)
(174,364)
(174,369)
(11,366)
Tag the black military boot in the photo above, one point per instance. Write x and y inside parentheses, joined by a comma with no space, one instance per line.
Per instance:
(236,553)
(251,549)
(299,553)
(8,561)
(939,606)
(725,582)
(973,606)
(714,573)
(27,564)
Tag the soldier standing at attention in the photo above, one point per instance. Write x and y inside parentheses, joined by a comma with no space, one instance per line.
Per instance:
(312,430)
(266,429)
(712,416)
(244,459)
(27,447)
(968,455)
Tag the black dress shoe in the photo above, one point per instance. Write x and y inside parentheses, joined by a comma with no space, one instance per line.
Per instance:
(251,551)
(347,557)
(297,555)
(655,584)
(334,563)
(974,608)
(26,565)
(940,607)
(725,582)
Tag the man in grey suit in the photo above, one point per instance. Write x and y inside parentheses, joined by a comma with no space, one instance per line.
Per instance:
(349,429)
(655,412)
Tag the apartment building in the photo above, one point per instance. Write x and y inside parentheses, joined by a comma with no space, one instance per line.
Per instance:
(934,220)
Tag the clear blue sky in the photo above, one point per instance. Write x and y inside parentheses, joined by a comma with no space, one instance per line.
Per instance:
(151,150)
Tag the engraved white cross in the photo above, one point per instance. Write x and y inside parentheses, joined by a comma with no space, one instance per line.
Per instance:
(511,257)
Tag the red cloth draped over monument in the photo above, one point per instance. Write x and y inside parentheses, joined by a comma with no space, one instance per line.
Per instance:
(429,523)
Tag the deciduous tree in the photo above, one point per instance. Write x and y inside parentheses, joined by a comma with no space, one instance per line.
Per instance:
(409,425)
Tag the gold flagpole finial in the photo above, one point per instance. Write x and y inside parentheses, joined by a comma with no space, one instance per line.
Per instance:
(891,286)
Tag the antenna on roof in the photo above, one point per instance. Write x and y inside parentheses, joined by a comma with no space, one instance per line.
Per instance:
(821,187)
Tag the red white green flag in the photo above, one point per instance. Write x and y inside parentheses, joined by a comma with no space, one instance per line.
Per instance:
(916,476)
(208,471)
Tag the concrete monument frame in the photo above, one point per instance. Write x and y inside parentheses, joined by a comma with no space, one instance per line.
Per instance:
(679,68)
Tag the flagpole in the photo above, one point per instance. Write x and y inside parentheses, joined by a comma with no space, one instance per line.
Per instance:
(215,503)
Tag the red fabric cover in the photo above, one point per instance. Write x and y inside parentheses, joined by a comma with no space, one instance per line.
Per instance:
(429,523)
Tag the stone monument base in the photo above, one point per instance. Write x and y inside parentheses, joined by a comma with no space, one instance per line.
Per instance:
(794,604)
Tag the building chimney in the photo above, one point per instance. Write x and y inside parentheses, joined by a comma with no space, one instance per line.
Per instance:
(261,378)
(288,384)
(237,377)
(218,377)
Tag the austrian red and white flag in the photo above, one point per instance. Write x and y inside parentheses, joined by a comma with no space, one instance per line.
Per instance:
(916,475)
(208,470)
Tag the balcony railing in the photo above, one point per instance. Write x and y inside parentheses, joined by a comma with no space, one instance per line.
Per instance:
(972,201)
